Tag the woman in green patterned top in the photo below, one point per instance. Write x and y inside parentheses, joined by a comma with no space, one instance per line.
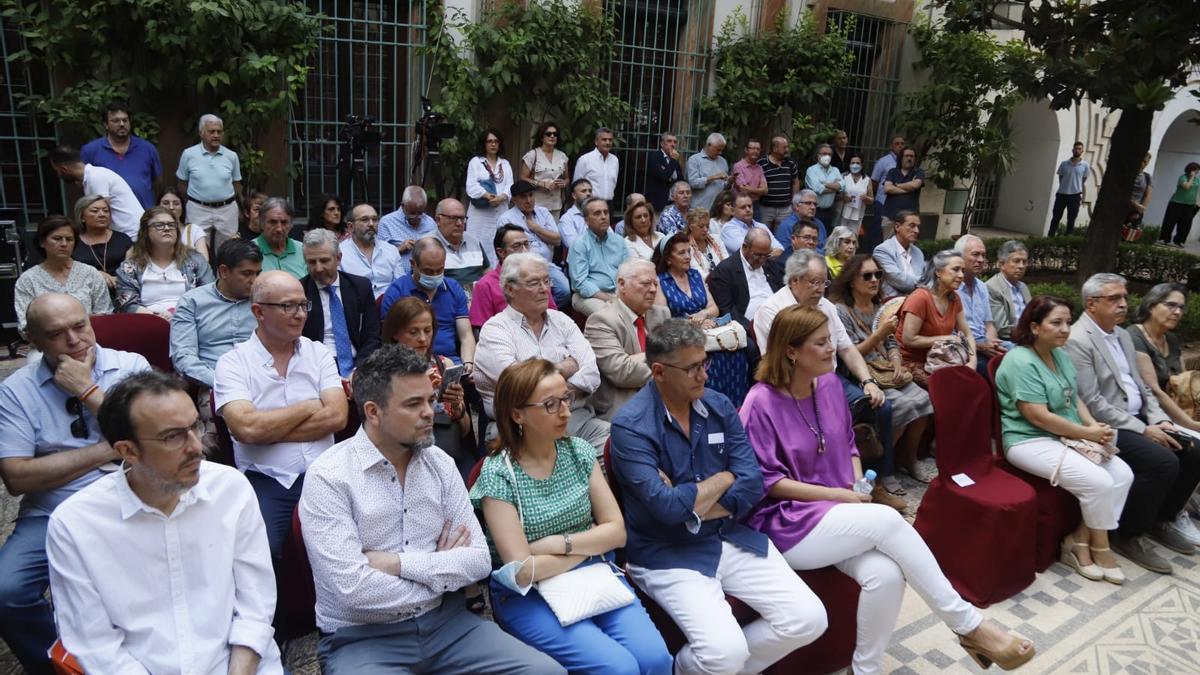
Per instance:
(568,518)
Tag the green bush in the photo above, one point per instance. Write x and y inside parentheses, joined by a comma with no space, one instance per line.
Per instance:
(1189,324)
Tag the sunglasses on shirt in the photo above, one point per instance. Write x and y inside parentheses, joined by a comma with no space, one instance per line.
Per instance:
(79,427)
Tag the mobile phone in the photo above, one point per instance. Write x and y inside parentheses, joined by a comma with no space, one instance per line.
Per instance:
(722,320)
(450,376)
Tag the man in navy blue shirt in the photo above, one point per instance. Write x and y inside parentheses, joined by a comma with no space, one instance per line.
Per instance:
(453,338)
(688,477)
(132,158)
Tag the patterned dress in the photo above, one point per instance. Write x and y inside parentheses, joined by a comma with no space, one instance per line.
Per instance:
(728,372)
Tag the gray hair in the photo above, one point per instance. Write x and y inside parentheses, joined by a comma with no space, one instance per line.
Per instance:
(799,196)
(754,234)
(715,138)
(589,201)
(676,184)
(274,203)
(423,244)
(82,204)
(602,130)
(823,146)
(936,264)
(209,118)
(799,262)
(837,236)
(1096,282)
(318,237)
(667,134)
(1008,248)
(631,267)
(671,336)
(961,244)
(514,264)
(414,195)
(1156,296)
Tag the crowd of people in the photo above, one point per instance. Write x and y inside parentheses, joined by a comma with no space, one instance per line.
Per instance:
(744,344)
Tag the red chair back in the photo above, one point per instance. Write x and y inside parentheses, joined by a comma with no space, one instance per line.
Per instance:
(144,334)
(962,413)
(993,366)
(474,474)
(296,610)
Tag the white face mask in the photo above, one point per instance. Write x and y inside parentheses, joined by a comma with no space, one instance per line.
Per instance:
(855,168)
(825,160)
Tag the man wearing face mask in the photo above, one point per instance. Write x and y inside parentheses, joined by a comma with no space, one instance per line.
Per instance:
(826,181)
(360,255)
(454,338)
(392,541)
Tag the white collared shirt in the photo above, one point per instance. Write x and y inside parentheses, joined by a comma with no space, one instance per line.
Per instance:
(600,171)
(137,591)
(756,281)
(381,269)
(906,257)
(247,373)
(123,204)
(764,318)
(1133,394)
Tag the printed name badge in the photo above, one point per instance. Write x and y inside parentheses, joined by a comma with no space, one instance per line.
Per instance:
(716,438)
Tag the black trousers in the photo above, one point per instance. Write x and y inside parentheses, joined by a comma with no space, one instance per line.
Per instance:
(1163,480)
(1071,204)
(1177,220)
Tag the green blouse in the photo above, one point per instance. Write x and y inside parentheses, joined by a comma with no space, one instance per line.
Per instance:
(1022,376)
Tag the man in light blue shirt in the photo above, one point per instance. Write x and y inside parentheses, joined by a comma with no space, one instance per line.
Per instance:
(210,174)
(571,224)
(404,226)
(804,207)
(976,301)
(543,235)
(594,259)
(51,449)
(708,172)
(674,217)
(733,233)
(361,254)
(824,180)
(1072,184)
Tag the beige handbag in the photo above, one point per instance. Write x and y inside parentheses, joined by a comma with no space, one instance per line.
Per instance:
(947,352)
(728,338)
(1090,450)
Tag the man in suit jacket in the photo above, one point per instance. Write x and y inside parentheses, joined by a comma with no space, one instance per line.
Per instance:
(899,258)
(360,317)
(663,170)
(1166,470)
(740,283)
(1007,294)
(617,333)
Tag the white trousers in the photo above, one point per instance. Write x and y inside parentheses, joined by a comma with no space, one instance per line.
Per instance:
(874,545)
(219,223)
(587,306)
(791,615)
(1101,488)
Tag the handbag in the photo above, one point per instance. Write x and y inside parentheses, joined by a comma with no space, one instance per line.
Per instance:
(1090,450)
(728,338)
(489,186)
(885,376)
(580,593)
(947,352)
(1184,389)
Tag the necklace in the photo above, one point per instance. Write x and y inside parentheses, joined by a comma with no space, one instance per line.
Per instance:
(103,254)
(816,430)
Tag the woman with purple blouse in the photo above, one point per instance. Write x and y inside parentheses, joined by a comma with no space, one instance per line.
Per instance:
(797,420)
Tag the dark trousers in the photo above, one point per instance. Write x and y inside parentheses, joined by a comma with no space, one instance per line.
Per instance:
(277,504)
(26,622)
(1178,220)
(1163,479)
(882,422)
(1071,204)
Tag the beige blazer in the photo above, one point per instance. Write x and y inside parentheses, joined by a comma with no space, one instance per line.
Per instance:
(1001,300)
(1100,381)
(613,337)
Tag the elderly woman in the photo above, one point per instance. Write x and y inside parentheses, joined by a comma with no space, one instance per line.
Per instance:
(641,237)
(933,312)
(329,213)
(192,235)
(707,249)
(856,195)
(546,167)
(96,243)
(159,268)
(489,182)
(840,247)
(857,292)
(799,424)
(1040,406)
(547,510)
(59,272)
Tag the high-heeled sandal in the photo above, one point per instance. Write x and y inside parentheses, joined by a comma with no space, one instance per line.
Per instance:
(1092,571)
(1113,575)
(1009,658)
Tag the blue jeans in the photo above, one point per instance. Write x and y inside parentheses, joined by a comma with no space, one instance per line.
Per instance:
(886,465)
(277,504)
(26,622)
(623,641)
(560,287)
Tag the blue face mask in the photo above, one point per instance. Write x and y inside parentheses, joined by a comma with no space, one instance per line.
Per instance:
(855,168)
(430,282)
(506,576)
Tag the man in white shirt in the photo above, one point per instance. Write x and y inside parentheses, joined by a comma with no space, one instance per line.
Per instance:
(162,567)
(708,172)
(123,204)
(392,540)
(600,167)
(282,397)
(361,256)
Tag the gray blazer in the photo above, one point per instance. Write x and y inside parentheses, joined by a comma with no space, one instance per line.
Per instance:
(896,279)
(1004,313)
(1100,382)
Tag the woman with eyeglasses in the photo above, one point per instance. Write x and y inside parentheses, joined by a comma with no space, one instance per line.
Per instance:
(546,167)
(799,424)
(641,237)
(707,249)
(192,235)
(839,248)
(858,293)
(489,185)
(160,267)
(547,509)
(59,272)
(411,322)
(1040,406)
(934,312)
(96,243)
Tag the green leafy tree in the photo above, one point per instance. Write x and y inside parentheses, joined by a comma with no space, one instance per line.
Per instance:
(1128,55)
(173,60)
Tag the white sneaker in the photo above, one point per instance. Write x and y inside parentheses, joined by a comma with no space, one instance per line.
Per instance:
(1184,526)
(1193,505)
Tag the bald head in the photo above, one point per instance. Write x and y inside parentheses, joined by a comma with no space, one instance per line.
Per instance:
(59,327)
(270,286)
(47,306)
(280,306)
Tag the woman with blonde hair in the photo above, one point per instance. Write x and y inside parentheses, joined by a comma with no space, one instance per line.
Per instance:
(96,243)
(641,237)
(707,251)
(159,267)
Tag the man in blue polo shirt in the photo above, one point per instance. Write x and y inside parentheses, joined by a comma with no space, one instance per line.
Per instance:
(453,338)
(52,448)
(689,476)
(132,158)
(210,174)
(404,226)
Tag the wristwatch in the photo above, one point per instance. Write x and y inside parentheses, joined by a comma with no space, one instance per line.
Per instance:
(869,380)
(566,544)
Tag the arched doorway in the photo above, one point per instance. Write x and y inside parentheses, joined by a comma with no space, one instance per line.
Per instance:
(1027,191)
(1179,145)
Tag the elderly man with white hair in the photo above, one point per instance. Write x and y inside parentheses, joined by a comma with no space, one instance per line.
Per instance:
(1008,293)
(210,174)
(674,217)
(527,328)
(403,227)
(977,303)
(708,172)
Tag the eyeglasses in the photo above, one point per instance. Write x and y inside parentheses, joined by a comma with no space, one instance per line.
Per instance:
(551,133)
(817,283)
(174,439)
(554,404)
(79,427)
(366,219)
(872,276)
(808,203)
(535,284)
(518,246)
(163,225)
(454,219)
(290,308)
(1115,297)
(693,370)
(1173,306)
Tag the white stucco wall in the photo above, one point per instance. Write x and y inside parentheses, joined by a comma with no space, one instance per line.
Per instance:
(1174,141)
(1043,138)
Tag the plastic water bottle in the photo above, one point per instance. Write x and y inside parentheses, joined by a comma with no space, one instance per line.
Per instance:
(866,483)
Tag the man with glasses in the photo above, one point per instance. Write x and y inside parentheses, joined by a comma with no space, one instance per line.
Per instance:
(708,172)
(466,261)
(487,298)
(52,447)
(742,282)
(404,226)
(690,477)
(1165,463)
(617,333)
(282,397)
(453,337)
(1007,292)
(343,315)
(168,516)
(804,208)
(528,328)
(280,251)
(900,258)
(594,260)
(544,236)
(360,255)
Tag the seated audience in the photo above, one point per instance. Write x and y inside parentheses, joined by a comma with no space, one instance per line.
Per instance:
(250,206)
(389,589)
(281,396)
(487,298)
(977,304)
(932,312)
(594,259)
(707,250)
(528,329)
(343,316)
(804,207)
(280,251)
(617,333)
(60,273)
(742,282)
(799,426)
(96,243)
(548,510)
(411,323)
(363,256)
(1040,406)
(191,235)
(327,213)
(632,199)
(721,211)
(1006,292)
(640,236)
(673,216)
(1166,467)
(572,224)
(688,479)
(681,290)
(183,578)
(543,235)
(214,318)
(842,245)
(466,261)
(902,261)
(428,282)
(52,449)
(733,233)
(403,227)
(857,295)
(160,268)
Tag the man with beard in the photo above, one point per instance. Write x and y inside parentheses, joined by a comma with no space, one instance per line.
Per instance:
(132,158)
(360,256)
(280,252)
(572,224)
(343,315)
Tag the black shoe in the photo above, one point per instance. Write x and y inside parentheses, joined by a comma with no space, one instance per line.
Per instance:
(1138,551)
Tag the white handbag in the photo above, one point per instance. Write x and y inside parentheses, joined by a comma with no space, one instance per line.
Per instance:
(728,338)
